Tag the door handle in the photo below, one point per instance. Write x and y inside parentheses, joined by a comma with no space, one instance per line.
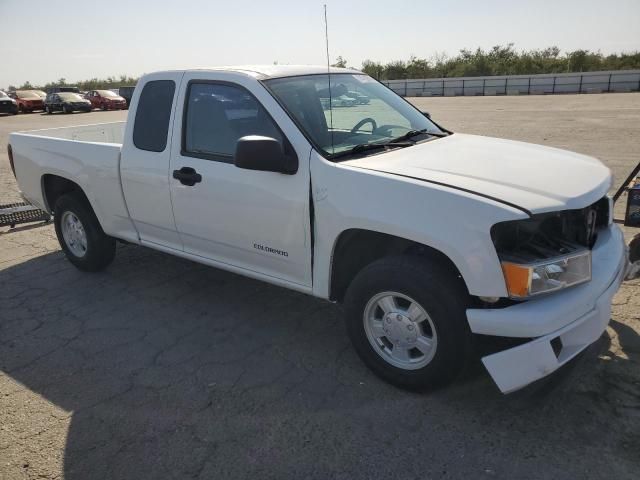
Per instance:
(187,176)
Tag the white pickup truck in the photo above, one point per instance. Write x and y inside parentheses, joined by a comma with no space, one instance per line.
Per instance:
(429,238)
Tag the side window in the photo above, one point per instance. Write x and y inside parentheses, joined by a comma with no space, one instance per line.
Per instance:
(152,115)
(217,115)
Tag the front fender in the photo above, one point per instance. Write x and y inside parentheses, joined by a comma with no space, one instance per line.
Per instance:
(454,222)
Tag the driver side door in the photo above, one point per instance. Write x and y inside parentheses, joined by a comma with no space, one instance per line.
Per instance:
(254,222)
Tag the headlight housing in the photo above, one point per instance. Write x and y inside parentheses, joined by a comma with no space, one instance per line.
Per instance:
(528,280)
(549,251)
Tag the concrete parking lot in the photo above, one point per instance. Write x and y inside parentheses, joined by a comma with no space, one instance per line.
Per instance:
(161,368)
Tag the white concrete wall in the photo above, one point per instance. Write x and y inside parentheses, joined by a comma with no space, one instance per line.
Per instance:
(587,82)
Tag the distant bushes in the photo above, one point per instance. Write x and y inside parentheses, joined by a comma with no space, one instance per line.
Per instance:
(500,60)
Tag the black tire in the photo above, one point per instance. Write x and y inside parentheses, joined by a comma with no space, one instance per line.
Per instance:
(441,294)
(100,248)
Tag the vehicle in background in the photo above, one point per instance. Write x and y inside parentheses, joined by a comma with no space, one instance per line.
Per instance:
(430,238)
(63,89)
(126,93)
(67,102)
(27,100)
(8,104)
(40,93)
(106,100)
(339,101)
(360,98)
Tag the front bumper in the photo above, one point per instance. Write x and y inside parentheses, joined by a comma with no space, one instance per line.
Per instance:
(571,319)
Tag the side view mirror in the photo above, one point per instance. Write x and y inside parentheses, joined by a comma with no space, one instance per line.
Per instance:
(427,114)
(266,154)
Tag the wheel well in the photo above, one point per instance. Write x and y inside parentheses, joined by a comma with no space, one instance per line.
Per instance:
(356,248)
(54,187)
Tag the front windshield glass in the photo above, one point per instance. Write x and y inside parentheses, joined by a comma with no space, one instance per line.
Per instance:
(40,93)
(106,93)
(71,97)
(360,111)
(27,95)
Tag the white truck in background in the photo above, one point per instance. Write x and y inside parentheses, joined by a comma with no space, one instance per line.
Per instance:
(428,237)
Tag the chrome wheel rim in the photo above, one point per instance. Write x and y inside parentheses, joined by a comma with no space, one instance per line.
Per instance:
(400,330)
(73,234)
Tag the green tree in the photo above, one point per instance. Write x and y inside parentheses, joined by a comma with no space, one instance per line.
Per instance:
(340,62)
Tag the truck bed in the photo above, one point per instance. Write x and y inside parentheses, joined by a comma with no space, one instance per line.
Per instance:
(88,155)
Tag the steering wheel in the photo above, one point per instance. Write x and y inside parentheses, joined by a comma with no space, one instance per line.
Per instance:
(363,122)
(385,130)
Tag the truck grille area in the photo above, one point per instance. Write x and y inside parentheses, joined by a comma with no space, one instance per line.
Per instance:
(550,235)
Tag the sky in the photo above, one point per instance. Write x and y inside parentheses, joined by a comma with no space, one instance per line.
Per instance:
(80,40)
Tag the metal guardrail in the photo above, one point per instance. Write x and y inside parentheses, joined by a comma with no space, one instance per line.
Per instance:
(588,82)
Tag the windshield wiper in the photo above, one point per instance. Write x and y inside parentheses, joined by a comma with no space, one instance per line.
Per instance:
(415,133)
(365,147)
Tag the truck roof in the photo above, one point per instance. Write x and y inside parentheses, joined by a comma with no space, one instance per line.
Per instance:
(275,71)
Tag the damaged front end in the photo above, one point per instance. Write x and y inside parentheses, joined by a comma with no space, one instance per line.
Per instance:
(581,257)
(549,251)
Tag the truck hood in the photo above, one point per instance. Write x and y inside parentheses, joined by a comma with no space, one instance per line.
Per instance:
(532,177)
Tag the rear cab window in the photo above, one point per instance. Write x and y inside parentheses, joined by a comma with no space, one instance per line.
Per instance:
(151,124)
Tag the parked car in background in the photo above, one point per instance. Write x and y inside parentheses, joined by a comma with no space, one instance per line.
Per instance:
(126,93)
(106,100)
(40,93)
(27,100)
(360,98)
(63,89)
(67,102)
(8,104)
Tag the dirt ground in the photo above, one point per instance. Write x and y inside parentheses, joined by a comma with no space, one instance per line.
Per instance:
(162,368)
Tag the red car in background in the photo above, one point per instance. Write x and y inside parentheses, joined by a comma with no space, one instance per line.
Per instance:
(27,100)
(106,100)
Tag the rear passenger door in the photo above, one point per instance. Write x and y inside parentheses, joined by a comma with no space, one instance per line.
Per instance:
(255,221)
(144,164)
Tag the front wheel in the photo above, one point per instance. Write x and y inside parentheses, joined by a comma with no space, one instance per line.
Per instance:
(80,235)
(406,317)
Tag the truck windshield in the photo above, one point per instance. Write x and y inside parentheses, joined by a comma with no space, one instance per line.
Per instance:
(355,112)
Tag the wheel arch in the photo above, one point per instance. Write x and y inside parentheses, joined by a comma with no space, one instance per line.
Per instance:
(356,248)
(54,186)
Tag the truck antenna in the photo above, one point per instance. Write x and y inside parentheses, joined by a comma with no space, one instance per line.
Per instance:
(326,37)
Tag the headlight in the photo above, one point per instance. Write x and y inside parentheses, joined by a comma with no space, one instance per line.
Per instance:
(527,280)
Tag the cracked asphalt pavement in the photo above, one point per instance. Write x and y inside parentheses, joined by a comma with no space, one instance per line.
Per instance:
(163,368)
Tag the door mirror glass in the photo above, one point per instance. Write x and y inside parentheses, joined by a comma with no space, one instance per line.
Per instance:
(255,152)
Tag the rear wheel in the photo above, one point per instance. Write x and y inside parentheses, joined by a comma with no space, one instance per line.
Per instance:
(406,317)
(80,235)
